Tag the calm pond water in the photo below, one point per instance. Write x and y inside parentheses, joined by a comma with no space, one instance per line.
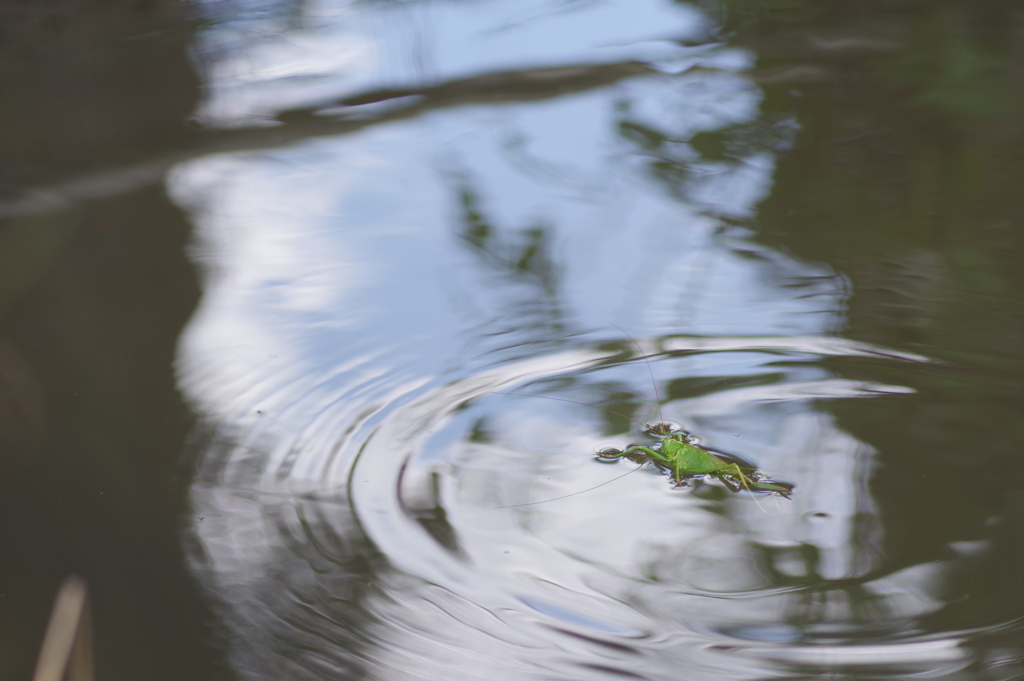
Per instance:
(315,315)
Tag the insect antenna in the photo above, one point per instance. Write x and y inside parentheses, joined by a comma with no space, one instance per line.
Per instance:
(654,383)
(534,503)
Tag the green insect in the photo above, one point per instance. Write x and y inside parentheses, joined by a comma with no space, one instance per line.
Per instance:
(679,454)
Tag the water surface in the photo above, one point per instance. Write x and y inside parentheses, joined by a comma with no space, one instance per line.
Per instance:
(450,250)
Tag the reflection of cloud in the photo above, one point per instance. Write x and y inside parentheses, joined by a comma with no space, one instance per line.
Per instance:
(259,60)
(282,70)
(812,345)
(732,189)
(727,401)
(944,653)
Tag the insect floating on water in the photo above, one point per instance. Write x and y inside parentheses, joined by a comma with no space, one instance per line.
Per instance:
(678,453)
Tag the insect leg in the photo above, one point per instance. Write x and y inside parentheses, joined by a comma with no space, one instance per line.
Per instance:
(642,454)
(737,472)
(733,487)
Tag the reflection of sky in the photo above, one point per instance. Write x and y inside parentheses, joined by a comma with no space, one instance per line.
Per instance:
(336,281)
(258,57)
(339,247)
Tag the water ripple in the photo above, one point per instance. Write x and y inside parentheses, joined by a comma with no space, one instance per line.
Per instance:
(405,557)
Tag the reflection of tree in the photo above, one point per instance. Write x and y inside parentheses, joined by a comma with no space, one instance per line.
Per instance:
(522,262)
(92,302)
(675,162)
(304,123)
(815,599)
(433,517)
(903,175)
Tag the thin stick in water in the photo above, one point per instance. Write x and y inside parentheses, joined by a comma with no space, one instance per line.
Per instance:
(67,645)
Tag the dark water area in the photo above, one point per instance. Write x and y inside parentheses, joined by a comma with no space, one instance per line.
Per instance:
(313,317)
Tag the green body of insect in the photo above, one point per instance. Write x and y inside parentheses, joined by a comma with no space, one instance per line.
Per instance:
(685,460)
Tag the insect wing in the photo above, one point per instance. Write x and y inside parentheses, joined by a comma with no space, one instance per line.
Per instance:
(694,460)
